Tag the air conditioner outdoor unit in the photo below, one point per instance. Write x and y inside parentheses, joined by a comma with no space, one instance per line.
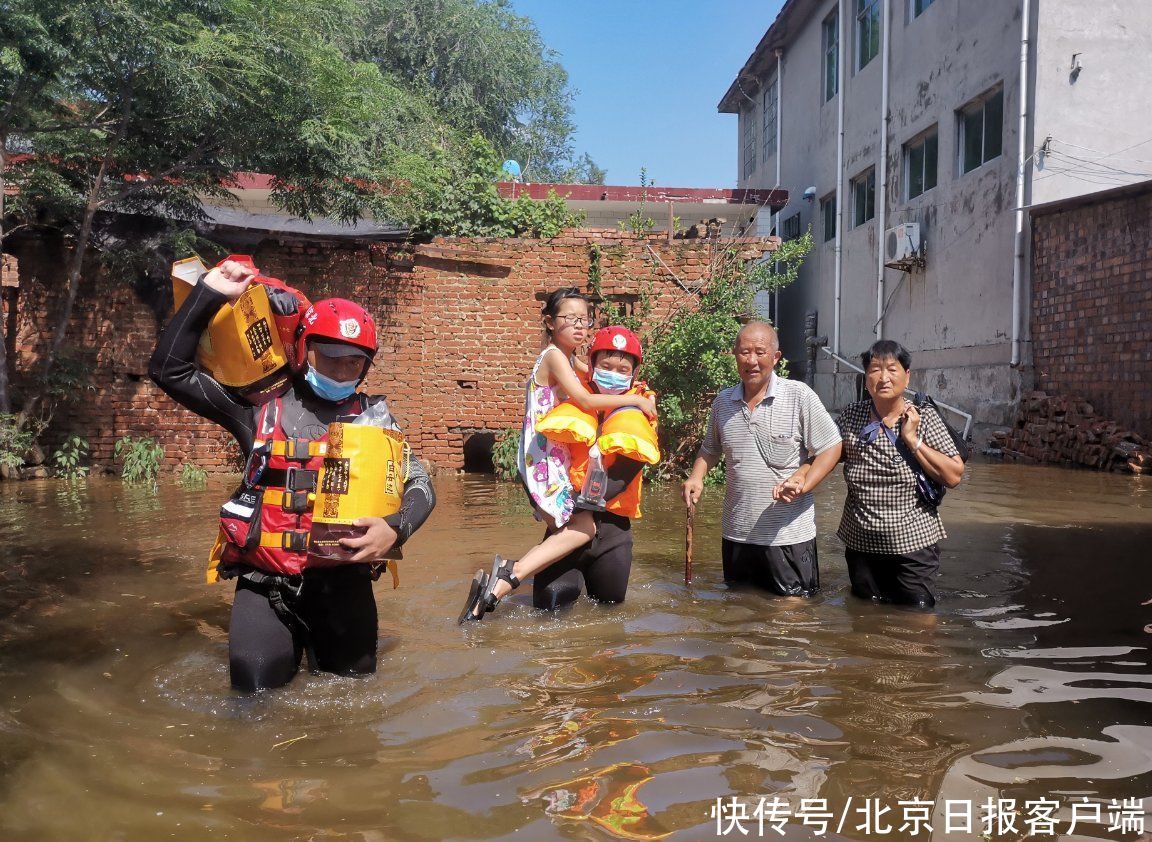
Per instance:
(902,246)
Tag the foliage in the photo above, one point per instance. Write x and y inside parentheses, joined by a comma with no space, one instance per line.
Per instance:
(638,222)
(68,379)
(192,476)
(148,103)
(477,67)
(457,196)
(15,440)
(68,457)
(715,476)
(583,171)
(142,458)
(688,357)
(65,383)
(505,454)
(143,256)
(145,106)
(615,312)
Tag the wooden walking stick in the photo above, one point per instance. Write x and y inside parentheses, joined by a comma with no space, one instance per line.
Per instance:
(688,545)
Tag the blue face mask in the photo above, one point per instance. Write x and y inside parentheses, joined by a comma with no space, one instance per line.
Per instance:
(329,389)
(611,382)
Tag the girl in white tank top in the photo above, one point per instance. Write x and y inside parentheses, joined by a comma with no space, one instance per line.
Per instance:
(543,465)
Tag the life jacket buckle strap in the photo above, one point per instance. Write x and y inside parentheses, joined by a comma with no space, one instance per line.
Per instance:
(297,450)
(295,502)
(299,479)
(296,542)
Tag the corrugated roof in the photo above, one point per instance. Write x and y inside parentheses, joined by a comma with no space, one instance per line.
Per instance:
(364,229)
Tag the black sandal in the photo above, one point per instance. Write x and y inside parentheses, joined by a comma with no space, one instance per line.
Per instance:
(501,569)
(476,593)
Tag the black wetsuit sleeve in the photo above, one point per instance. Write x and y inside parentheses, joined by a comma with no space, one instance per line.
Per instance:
(620,475)
(173,368)
(417,503)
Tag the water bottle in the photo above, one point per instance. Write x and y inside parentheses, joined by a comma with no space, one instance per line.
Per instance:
(377,415)
(595,483)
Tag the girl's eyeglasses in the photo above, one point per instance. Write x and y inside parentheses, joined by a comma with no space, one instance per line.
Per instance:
(577,321)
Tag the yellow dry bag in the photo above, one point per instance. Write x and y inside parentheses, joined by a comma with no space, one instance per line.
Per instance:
(363,475)
(241,347)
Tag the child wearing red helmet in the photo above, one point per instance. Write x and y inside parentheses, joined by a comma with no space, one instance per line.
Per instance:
(544,465)
(626,441)
(289,601)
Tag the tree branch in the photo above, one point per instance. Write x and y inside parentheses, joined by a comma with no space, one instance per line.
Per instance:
(139,186)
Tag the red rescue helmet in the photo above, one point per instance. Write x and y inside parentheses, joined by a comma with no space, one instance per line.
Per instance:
(336,322)
(619,339)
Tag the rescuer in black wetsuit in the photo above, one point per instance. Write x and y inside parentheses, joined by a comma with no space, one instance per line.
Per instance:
(604,565)
(330,612)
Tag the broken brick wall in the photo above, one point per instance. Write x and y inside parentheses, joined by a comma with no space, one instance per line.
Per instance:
(459,327)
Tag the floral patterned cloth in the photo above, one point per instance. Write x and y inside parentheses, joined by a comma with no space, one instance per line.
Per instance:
(544,464)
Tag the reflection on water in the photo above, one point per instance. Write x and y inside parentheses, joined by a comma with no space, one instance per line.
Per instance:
(1033,681)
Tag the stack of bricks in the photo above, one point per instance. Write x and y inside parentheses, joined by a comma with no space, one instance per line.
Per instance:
(1068,430)
(459,327)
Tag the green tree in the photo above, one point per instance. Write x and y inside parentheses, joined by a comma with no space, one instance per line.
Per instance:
(584,171)
(455,195)
(483,69)
(145,106)
(688,357)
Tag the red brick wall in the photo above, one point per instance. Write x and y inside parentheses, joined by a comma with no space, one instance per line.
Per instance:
(1092,306)
(459,329)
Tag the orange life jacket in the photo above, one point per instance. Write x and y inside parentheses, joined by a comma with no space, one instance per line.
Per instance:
(622,433)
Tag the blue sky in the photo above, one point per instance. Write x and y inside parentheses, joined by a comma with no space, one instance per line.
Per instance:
(649,74)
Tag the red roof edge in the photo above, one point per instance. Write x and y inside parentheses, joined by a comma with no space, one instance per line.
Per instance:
(775,199)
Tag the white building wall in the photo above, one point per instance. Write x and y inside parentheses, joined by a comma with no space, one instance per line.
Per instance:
(1099,118)
(955,314)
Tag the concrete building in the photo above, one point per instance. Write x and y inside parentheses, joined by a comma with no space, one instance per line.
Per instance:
(877,113)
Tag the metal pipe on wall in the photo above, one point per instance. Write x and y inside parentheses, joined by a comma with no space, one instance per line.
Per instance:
(882,180)
(840,81)
(1021,169)
(779,158)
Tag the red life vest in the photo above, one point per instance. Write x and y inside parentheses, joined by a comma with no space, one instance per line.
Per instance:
(266,524)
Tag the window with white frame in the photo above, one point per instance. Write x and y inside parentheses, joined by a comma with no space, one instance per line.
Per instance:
(917,7)
(980,131)
(828,216)
(863,197)
(867,31)
(768,106)
(791,227)
(831,55)
(749,117)
(920,163)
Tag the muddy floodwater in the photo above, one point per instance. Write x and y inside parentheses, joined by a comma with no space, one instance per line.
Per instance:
(1032,684)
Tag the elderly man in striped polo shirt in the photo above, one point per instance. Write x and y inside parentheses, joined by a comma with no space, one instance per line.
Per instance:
(778,443)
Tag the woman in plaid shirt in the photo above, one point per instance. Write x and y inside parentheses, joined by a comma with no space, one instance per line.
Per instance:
(890,532)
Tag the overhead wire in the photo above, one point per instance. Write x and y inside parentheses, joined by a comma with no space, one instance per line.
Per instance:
(1103,154)
(1096,166)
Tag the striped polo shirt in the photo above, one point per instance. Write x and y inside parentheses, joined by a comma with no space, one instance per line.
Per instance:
(762,448)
